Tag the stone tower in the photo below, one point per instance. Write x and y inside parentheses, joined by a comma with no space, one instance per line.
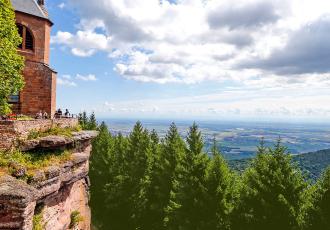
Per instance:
(34,26)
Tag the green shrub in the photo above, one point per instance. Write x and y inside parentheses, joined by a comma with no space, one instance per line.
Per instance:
(75,219)
(31,160)
(56,131)
(11,64)
(37,218)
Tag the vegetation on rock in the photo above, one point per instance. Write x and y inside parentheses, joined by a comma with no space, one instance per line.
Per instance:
(75,219)
(37,218)
(54,131)
(22,165)
(11,63)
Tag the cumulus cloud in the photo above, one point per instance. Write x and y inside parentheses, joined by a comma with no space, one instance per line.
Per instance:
(258,42)
(83,43)
(245,14)
(306,51)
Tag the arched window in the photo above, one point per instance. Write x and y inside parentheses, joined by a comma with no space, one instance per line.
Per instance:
(27,38)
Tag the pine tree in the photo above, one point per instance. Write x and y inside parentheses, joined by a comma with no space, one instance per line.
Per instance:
(172,153)
(101,166)
(220,190)
(139,153)
(262,148)
(273,194)
(187,206)
(319,214)
(126,191)
(83,120)
(118,205)
(11,63)
(148,208)
(92,123)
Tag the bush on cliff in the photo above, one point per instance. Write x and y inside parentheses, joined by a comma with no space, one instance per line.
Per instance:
(11,63)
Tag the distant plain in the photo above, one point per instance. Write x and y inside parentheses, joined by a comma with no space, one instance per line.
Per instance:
(238,140)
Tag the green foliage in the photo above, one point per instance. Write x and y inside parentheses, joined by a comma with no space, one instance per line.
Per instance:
(221,191)
(87,123)
(32,160)
(102,170)
(75,219)
(37,218)
(273,193)
(56,131)
(144,182)
(11,63)
(319,212)
(312,164)
(188,202)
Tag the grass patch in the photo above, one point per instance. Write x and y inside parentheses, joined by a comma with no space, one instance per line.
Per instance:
(34,160)
(75,219)
(37,222)
(56,131)
(37,218)
(24,118)
(31,161)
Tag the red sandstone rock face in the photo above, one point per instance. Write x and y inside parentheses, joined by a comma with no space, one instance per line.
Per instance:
(17,203)
(60,190)
(57,142)
(58,208)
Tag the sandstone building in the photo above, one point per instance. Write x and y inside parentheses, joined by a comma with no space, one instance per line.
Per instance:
(34,25)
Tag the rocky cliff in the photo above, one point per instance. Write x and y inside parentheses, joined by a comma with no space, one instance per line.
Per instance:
(53,197)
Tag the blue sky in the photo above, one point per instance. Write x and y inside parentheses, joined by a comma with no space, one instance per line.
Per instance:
(193,59)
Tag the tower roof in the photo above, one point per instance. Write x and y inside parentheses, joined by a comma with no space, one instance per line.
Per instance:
(29,7)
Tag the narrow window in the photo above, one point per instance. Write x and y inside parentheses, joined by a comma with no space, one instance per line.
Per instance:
(20,32)
(27,38)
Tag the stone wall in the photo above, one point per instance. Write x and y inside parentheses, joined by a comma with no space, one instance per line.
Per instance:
(52,193)
(12,130)
(39,92)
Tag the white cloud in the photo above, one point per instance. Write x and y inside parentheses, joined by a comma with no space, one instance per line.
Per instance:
(61,5)
(69,81)
(65,81)
(191,41)
(83,43)
(241,43)
(66,76)
(89,77)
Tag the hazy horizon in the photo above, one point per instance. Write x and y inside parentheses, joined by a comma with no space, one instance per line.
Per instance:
(219,120)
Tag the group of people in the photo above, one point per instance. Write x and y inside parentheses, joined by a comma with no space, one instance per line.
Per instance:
(42,115)
(58,114)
